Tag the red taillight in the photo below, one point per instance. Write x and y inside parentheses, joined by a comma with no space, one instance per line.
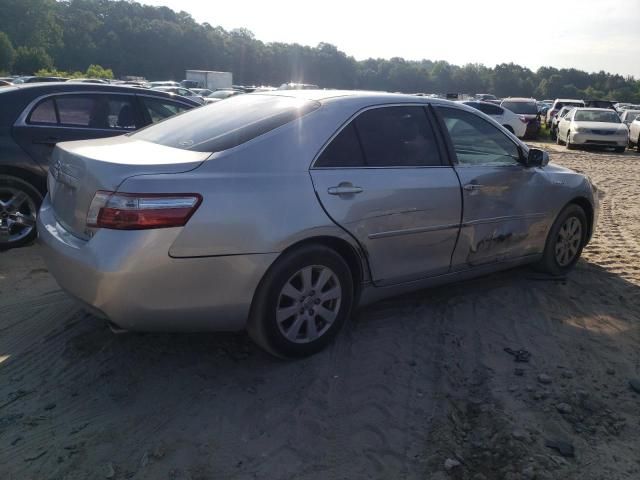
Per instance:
(138,211)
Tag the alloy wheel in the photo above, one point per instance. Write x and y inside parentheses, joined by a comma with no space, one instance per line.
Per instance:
(17,215)
(568,241)
(308,304)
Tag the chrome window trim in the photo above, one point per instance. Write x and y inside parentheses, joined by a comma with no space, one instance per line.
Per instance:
(366,167)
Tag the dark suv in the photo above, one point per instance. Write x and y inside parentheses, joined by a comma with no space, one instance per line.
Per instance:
(34,117)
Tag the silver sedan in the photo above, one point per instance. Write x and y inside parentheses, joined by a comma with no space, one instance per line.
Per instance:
(281,212)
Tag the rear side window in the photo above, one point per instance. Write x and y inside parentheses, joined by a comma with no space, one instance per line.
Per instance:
(489,109)
(384,137)
(86,111)
(159,109)
(343,151)
(227,124)
(44,114)
(80,111)
(397,137)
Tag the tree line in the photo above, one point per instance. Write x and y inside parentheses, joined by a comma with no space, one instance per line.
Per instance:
(159,43)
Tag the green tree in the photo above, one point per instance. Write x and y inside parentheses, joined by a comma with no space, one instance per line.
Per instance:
(96,71)
(7,53)
(31,59)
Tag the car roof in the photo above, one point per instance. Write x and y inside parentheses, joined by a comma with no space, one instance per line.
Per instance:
(519,99)
(355,95)
(594,109)
(568,100)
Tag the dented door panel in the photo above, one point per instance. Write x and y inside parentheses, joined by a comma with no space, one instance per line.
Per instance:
(506,214)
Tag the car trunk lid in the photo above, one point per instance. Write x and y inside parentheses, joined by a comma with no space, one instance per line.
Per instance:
(79,169)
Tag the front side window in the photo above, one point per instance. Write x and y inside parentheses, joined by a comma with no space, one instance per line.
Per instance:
(476,141)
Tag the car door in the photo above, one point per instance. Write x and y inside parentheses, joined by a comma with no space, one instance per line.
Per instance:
(505,213)
(383,179)
(65,117)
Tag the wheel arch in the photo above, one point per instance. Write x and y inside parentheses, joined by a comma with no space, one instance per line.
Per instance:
(38,181)
(355,260)
(586,205)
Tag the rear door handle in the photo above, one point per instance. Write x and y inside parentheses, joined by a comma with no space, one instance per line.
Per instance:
(47,141)
(344,189)
(470,187)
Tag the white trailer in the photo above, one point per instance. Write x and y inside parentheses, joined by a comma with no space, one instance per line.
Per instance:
(209,79)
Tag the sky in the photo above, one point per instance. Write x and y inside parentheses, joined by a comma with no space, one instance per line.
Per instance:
(590,35)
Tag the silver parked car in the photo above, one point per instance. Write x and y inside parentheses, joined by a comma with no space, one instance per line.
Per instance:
(280,212)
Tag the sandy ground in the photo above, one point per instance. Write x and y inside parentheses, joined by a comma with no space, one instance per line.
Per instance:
(417,387)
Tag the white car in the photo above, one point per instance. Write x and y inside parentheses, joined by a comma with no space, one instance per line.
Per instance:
(628,116)
(598,127)
(558,103)
(516,124)
(634,134)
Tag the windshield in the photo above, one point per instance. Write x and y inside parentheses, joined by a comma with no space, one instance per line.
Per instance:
(596,116)
(224,125)
(523,108)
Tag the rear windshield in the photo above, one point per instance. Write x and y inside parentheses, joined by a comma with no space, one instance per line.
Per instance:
(227,124)
(523,108)
(596,116)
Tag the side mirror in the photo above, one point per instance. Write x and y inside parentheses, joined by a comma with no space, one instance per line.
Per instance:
(536,158)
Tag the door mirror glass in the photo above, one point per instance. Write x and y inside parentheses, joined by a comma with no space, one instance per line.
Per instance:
(536,158)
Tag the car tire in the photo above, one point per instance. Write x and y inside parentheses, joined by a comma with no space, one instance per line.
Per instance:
(619,149)
(289,318)
(570,146)
(564,244)
(17,221)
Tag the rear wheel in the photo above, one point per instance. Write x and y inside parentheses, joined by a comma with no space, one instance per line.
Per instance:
(619,149)
(302,302)
(19,203)
(565,242)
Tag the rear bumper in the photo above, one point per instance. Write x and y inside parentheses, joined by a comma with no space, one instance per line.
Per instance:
(592,139)
(129,278)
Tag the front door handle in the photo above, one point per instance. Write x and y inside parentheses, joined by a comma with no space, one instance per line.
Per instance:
(470,187)
(344,189)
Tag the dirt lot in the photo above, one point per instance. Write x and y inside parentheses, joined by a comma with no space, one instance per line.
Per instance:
(417,387)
